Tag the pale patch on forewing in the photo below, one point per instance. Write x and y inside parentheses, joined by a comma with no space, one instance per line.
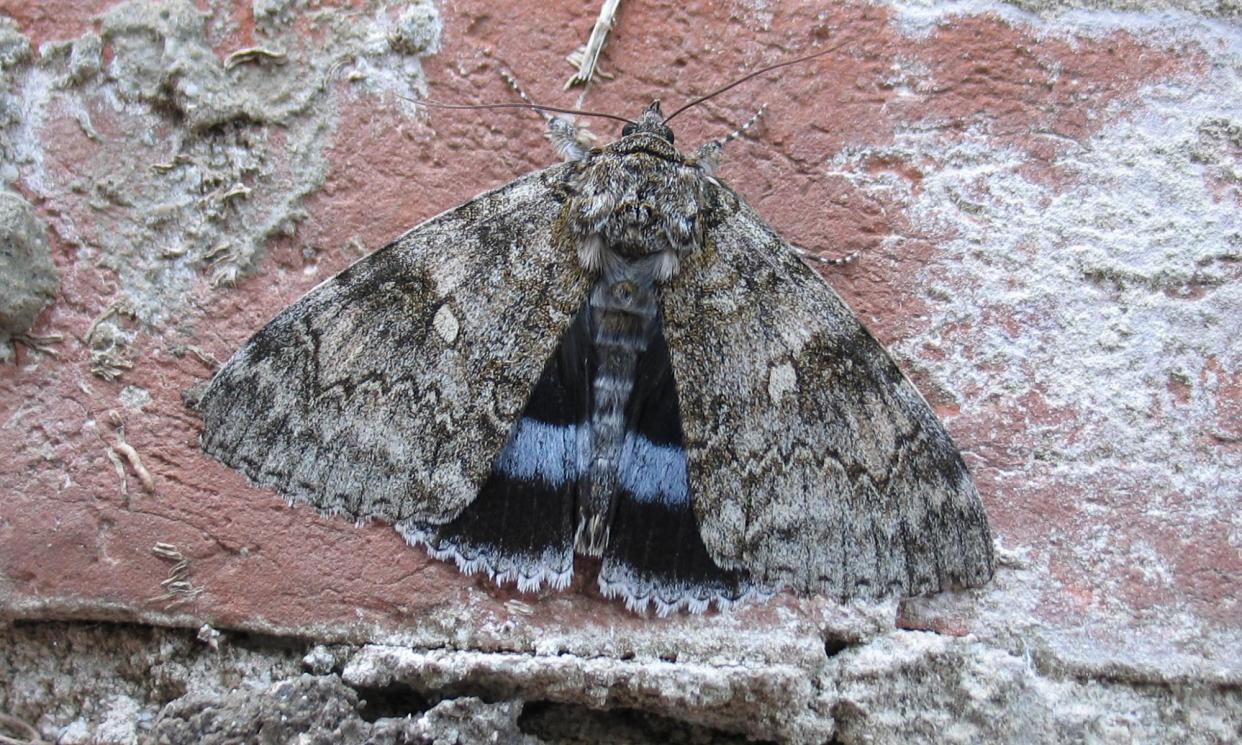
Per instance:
(446,324)
(781,380)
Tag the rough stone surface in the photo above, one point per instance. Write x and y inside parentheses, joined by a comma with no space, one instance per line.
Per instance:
(1046,199)
(122,684)
(77,682)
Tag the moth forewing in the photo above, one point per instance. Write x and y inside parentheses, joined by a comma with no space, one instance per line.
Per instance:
(825,471)
(360,377)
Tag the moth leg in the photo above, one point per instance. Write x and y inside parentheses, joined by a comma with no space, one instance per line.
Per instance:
(569,140)
(708,154)
(807,256)
(742,129)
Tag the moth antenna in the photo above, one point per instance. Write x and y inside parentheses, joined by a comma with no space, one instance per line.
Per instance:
(509,78)
(756,73)
(571,141)
(524,105)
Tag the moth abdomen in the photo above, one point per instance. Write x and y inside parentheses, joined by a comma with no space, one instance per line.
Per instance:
(622,310)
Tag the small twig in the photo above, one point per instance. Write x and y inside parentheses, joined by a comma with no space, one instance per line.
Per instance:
(135,463)
(178,160)
(119,467)
(173,599)
(40,343)
(107,366)
(116,306)
(178,585)
(122,448)
(217,252)
(223,261)
(167,551)
(206,358)
(586,58)
(237,190)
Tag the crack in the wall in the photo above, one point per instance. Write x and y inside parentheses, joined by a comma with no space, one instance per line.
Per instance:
(391,702)
(558,724)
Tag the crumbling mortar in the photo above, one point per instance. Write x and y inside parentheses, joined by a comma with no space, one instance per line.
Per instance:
(200,102)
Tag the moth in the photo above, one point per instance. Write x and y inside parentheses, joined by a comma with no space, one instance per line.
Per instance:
(612,357)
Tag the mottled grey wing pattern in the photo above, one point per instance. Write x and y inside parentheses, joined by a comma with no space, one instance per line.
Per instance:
(813,462)
(387,391)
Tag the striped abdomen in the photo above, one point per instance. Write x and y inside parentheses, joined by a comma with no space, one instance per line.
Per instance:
(623,318)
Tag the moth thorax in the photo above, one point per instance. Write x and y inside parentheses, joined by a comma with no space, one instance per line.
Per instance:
(640,204)
(639,228)
(599,258)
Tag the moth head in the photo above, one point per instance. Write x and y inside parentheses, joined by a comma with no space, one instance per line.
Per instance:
(651,122)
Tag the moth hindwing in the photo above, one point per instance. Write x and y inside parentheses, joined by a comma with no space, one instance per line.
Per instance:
(615,357)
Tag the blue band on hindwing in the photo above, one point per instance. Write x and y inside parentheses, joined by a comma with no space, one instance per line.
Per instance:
(550,453)
(521,527)
(653,473)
